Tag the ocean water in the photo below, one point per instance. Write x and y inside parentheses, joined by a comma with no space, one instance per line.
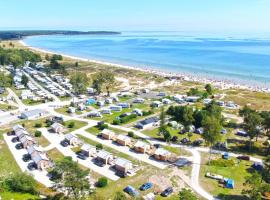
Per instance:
(243,59)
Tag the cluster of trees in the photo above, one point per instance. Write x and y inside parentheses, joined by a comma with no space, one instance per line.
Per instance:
(68,176)
(255,123)
(80,81)
(125,119)
(104,80)
(5,80)
(209,118)
(257,184)
(17,57)
(100,81)
(20,182)
(209,90)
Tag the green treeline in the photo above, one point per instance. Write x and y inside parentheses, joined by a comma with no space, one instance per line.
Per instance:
(17,57)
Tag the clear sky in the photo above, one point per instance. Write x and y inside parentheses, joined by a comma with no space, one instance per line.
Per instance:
(162,15)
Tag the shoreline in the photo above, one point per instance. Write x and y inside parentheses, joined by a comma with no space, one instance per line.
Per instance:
(222,84)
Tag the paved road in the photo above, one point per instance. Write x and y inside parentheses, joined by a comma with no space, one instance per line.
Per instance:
(42,88)
(123,149)
(40,176)
(55,140)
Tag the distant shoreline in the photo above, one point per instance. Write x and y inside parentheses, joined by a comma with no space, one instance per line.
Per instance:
(193,78)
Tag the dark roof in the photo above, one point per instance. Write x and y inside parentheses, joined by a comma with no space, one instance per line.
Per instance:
(149,120)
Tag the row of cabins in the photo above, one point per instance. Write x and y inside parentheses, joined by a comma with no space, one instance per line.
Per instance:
(139,146)
(105,157)
(37,155)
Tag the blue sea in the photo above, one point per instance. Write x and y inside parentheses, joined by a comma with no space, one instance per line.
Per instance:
(240,59)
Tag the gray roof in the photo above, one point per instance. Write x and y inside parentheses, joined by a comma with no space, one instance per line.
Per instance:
(17,127)
(32,149)
(32,113)
(38,157)
(87,147)
(69,136)
(26,138)
(123,162)
(149,121)
(103,154)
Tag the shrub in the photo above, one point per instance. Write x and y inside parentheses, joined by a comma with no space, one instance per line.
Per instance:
(102,182)
(222,163)
(21,182)
(38,125)
(174,138)
(71,125)
(99,146)
(131,134)
(146,113)
(119,196)
(127,118)
(116,122)
(38,133)
(103,126)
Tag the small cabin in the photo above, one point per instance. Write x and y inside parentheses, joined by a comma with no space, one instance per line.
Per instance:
(42,161)
(123,165)
(107,134)
(27,141)
(141,147)
(104,157)
(88,150)
(57,127)
(123,140)
(162,154)
(72,139)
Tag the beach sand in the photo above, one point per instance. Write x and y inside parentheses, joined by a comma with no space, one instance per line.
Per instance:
(221,84)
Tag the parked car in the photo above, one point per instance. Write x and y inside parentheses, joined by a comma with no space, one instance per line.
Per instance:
(131,191)
(146,186)
(157,145)
(197,142)
(99,163)
(26,157)
(64,143)
(243,157)
(15,139)
(121,174)
(81,156)
(184,141)
(167,192)
(19,146)
(32,166)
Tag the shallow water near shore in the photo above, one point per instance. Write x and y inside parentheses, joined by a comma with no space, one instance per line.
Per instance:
(242,60)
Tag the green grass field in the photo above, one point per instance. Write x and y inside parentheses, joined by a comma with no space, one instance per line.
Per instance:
(237,173)
(77,125)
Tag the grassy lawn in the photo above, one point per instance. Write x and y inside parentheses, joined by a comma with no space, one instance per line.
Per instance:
(77,125)
(55,155)
(109,118)
(63,110)
(141,177)
(31,102)
(6,107)
(8,166)
(237,173)
(174,132)
(31,128)
(113,151)
(95,131)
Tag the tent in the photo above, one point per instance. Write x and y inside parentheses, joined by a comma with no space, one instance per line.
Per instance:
(90,101)
(225,156)
(230,183)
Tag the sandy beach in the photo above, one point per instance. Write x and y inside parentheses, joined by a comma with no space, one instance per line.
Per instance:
(222,84)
